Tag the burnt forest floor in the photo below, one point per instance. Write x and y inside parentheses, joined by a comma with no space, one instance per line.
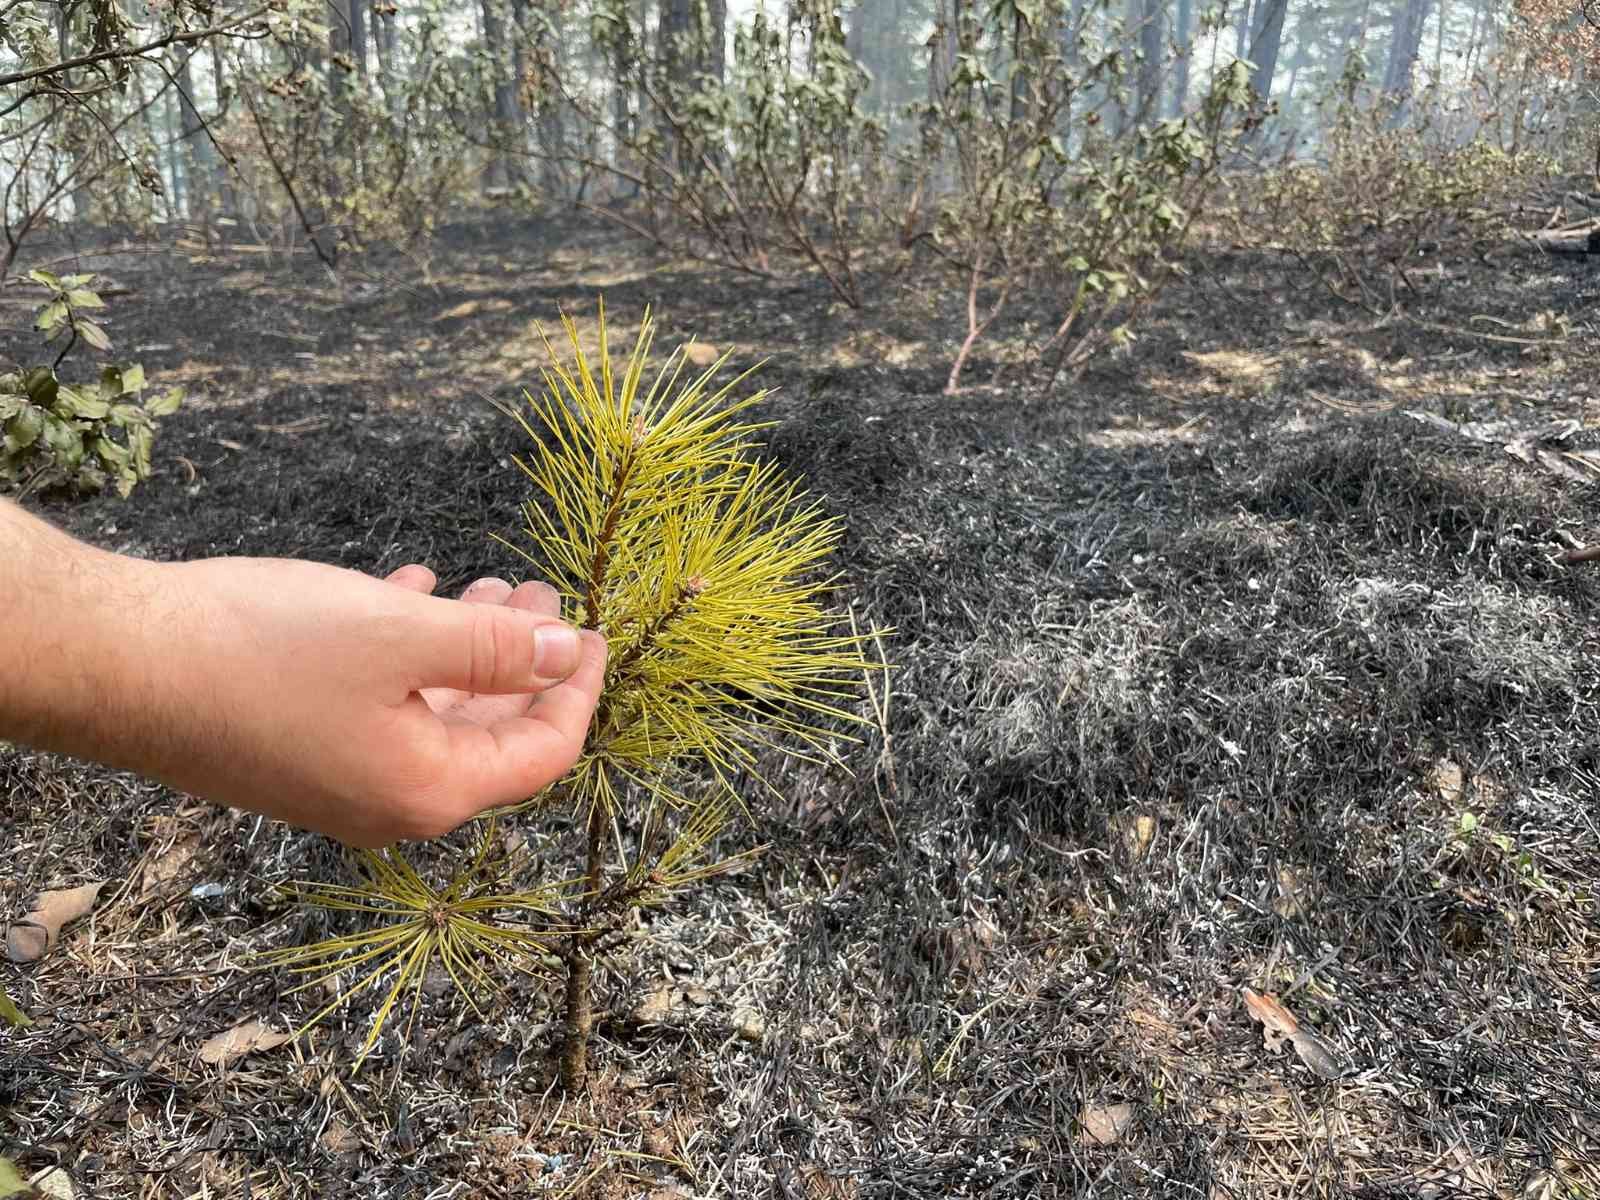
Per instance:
(1218,668)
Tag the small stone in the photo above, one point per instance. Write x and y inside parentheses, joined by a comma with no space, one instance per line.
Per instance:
(54,1184)
(1446,780)
(653,1008)
(748,1024)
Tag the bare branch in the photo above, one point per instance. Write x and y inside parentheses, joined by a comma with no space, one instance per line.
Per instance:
(174,38)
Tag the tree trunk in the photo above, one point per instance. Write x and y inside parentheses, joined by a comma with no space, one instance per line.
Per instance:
(1071,51)
(177,169)
(358,35)
(1021,88)
(713,39)
(227,198)
(383,45)
(339,50)
(1264,45)
(1180,75)
(1470,63)
(202,155)
(506,120)
(675,60)
(1150,44)
(1404,46)
(1241,36)
(538,79)
(944,45)
(1438,41)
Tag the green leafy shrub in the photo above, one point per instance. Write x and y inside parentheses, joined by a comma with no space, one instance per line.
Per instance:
(1385,195)
(1005,182)
(659,526)
(1088,238)
(80,435)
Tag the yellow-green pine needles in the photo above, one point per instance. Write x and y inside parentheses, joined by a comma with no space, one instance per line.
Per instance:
(660,528)
(460,928)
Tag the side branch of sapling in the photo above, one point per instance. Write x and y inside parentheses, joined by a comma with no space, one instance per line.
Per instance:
(626,665)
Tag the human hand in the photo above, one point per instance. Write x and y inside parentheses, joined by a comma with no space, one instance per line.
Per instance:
(365,709)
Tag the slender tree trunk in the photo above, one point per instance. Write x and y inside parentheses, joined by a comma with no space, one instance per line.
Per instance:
(676,61)
(201,154)
(538,76)
(227,197)
(358,35)
(1243,30)
(622,120)
(386,51)
(1355,34)
(82,200)
(1021,89)
(1438,41)
(1404,46)
(1265,44)
(506,122)
(177,195)
(1180,74)
(1150,56)
(1470,62)
(339,26)
(714,39)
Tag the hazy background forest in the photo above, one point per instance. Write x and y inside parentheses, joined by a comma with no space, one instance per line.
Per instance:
(1061,151)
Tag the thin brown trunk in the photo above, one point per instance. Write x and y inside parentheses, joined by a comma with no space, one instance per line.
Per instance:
(578,1010)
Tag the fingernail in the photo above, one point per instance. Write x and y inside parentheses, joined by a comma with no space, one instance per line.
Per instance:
(555,651)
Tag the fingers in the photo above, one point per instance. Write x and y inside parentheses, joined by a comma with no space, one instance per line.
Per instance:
(489,646)
(536,597)
(482,591)
(414,577)
(511,760)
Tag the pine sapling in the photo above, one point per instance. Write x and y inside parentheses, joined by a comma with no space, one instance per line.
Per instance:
(703,566)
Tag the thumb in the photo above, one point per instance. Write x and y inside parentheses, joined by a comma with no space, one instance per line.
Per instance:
(491,648)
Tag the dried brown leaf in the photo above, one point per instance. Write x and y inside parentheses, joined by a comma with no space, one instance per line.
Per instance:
(1104,1124)
(1279,1025)
(28,939)
(244,1038)
(1447,781)
(339,1138)
(653,1008)
(1277,1021)
(157,871)
(749,1025)
(701,354)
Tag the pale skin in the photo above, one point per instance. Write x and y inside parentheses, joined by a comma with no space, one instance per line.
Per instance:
(366,709)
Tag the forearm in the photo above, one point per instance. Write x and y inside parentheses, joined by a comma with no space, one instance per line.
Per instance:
(76,617)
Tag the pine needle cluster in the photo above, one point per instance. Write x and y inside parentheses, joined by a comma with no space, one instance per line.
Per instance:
(704,567)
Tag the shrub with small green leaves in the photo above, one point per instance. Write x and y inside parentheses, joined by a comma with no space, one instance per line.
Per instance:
(81,435)
(1387,195)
